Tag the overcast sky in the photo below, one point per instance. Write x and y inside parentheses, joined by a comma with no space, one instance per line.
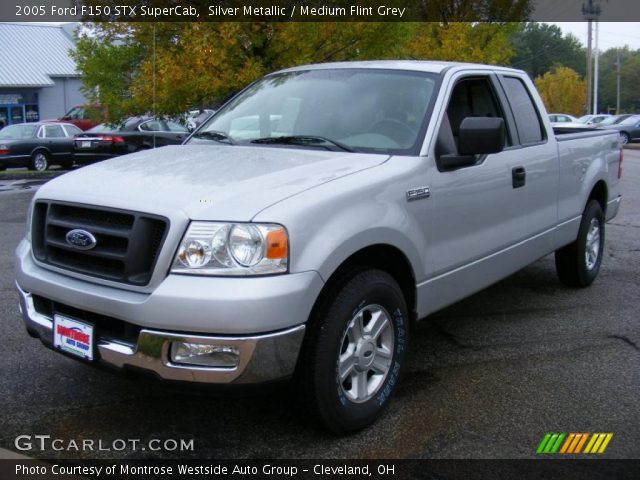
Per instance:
(612,34)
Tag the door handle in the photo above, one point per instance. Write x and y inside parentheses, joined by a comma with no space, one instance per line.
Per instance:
(518,177)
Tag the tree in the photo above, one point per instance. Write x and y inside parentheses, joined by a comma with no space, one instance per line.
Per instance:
(629,80)
(169,67)
(562,90)
(461,41)
(539,47)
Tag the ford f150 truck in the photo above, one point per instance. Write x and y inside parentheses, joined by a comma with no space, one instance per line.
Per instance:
(304,227)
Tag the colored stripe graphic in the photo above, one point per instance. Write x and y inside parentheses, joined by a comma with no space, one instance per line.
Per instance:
(581,443)
(572,443)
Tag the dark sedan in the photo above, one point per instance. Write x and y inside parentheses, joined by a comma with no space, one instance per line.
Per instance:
(134,134)
(37,145)
(629,128)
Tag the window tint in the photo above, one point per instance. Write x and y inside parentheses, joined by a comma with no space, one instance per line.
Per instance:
(18,131)
(72,130)
(630,121)
(54,131)
(176,127)
(524,111)
(471,97)
(76,113)
(152,126)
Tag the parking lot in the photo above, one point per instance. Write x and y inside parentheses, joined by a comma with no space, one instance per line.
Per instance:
(487,378)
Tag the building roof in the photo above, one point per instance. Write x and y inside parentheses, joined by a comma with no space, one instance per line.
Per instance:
(30,54)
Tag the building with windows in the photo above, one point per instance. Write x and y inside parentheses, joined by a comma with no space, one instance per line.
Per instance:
(38,77)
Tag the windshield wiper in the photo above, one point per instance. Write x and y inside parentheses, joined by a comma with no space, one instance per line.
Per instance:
(216,136)
(302,140)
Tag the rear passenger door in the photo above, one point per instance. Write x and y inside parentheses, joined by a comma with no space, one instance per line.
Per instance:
(57,141)
(539,153)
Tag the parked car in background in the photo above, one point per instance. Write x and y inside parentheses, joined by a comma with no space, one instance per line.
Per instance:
(591,119)
(83,116)
(134,134)
(37,146)
(562,118)
(629,128)
(614,119)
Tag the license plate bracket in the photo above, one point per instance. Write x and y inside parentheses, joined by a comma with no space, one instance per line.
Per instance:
(73,336)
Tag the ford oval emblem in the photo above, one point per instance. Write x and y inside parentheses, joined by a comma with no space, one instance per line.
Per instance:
(81,239)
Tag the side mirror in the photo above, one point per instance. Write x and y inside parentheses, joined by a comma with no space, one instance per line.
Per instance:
(481,136)
(477,136)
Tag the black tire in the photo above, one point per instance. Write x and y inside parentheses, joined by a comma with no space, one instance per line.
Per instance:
(39,161)
(2,168)
(329,337)
(573,266)
(625,138)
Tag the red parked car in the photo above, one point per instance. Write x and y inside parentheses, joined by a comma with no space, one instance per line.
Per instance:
(83,116)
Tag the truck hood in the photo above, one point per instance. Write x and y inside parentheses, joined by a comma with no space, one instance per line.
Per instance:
(206,182)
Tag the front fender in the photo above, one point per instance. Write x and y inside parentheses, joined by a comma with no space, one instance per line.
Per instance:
(331,222)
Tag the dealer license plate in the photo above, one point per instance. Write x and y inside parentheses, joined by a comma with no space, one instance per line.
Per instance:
(86,144)
(73,336)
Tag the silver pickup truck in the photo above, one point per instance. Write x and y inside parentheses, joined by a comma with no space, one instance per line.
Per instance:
(303,228)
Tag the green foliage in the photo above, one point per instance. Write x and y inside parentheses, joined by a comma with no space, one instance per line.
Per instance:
(167,68)
(539,47)
(629,80)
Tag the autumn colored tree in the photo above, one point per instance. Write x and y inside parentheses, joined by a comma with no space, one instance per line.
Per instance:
(562,90)
(461,41)
(169,67)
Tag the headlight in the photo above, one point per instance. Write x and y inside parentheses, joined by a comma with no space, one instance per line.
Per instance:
(238,249)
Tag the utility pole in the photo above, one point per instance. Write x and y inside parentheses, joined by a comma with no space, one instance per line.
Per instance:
(618,81)
(596,73)
(590,13)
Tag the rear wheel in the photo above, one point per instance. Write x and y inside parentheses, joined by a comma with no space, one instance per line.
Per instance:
(354,351)
(39,161)
(579,262)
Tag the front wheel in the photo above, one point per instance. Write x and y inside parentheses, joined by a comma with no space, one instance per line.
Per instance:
(39,161)
(355,351)
(624,138)
(579,262)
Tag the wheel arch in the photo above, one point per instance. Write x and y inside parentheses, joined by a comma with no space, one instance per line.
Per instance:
(599,193)
(40,148)
(381,256)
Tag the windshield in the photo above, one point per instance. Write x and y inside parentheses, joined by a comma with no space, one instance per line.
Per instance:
(339,109)
(630,121)
(18,131)
(613,119)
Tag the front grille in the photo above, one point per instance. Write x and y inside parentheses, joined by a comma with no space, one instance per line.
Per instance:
(127,243)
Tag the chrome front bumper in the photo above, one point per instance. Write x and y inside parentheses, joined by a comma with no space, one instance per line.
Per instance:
(263,357)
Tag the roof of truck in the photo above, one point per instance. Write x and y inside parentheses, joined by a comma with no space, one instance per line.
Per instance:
(419,65)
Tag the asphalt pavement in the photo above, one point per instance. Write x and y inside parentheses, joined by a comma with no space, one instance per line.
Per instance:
(487,377)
